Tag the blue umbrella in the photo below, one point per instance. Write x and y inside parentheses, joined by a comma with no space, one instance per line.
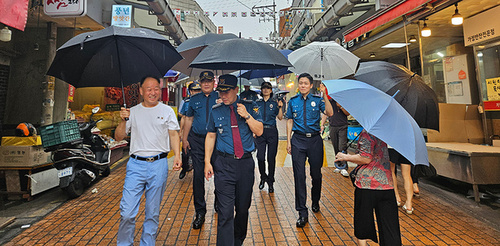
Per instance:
(262,73)
(382,116)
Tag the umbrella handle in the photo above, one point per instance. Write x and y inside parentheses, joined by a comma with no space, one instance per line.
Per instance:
(125,106)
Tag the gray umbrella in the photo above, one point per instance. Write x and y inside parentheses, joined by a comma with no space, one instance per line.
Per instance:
(237,54)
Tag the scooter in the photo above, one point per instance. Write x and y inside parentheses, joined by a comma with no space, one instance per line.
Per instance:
(81,162)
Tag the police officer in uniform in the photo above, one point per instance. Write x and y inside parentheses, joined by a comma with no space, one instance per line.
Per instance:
(248,94)
(231,126)
(270,108)
(193,139)
(194,88)
(304,114)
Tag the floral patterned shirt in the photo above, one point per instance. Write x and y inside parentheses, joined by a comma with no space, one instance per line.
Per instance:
(375,175)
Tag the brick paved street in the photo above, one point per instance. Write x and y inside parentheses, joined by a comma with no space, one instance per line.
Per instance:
(93,218)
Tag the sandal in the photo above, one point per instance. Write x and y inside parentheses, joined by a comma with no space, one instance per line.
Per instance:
(416,194)
(408,211)
(399,203)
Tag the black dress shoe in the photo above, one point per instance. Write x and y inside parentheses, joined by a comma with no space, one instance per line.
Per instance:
(261,184)
(271,187)
(315,208)
(301,222)
(182,174)
(198,221)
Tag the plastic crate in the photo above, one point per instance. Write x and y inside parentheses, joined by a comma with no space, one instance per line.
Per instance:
(59,133)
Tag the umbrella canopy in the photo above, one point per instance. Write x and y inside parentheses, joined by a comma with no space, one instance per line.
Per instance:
(261,73)
(190,49)
(324,60)
(381,116)
(237,54)
(113,57)
(414,95)
(244,81)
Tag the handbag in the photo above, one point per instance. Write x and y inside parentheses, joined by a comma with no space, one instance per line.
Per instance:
(353,175)
(423,171)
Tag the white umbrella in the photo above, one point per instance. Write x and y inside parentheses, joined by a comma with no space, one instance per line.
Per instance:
(323,60)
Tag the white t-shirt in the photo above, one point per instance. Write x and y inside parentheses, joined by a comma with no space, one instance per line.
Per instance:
(149,129)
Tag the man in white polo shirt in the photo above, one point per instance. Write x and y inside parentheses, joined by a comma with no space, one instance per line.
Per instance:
(154,132)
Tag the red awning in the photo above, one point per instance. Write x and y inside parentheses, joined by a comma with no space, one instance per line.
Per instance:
(390,14)
(14,13)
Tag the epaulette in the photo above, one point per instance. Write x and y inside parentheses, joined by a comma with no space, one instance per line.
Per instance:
(217,105)
(297,95)
(245,101)
(197,95)
(316,96)
(187,99)
(259,100)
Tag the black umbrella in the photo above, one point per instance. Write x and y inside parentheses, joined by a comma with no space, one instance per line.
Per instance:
(113,57)
(190,48)
(237,54)
(414,95)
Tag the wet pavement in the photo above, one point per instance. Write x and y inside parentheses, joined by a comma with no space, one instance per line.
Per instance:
(440,217)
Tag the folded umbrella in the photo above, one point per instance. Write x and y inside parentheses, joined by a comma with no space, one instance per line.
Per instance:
(414,95)
(382,116)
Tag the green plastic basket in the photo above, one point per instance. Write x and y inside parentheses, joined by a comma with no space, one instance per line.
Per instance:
(59,133)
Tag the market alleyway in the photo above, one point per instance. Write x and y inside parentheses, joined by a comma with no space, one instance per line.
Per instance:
(93,218)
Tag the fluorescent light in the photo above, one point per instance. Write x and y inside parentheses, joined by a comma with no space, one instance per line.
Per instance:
(440,54)
(395,45)
(479,54)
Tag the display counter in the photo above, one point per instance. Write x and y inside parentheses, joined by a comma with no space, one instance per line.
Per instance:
(471,163)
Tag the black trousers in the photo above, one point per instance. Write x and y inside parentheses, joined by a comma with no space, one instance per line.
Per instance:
(338,136)
(234,181)
(197,152)
(269,140)
(185,159)
(312,149)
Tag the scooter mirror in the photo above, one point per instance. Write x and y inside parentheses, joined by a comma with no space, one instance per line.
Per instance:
(95,110)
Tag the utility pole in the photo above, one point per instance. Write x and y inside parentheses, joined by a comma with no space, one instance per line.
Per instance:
(263,9)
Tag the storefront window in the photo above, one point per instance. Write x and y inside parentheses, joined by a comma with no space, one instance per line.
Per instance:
(488,63)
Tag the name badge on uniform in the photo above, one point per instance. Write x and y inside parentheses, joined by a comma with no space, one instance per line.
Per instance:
(270,106)
(313,103)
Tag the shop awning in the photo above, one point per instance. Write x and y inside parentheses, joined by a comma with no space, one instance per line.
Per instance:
(390,13)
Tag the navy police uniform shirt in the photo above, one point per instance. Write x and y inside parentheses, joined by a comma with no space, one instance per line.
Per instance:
(220,123)
(269,110)
(184,107)
(311,107)
(199,107)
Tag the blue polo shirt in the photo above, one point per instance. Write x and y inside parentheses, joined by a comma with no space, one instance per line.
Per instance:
(220,123)
(269,110)
(199,108)
(184,106)
(311,107)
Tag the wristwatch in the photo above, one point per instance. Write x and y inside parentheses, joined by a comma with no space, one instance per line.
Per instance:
(247,117)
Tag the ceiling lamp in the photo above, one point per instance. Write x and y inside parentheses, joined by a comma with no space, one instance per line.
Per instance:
(426,32)
(412,39)
(457,18)
(372,55)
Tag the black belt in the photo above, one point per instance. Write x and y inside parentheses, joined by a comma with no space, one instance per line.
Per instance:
(269,126)
(150,159)
(245,155)
(308,135)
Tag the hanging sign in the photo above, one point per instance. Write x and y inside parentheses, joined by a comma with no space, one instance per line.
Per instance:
(482,27)
(65,8)
(122,16)
(71,93)
(493,88)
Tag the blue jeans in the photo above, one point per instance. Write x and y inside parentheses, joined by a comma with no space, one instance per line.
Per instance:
(142,177)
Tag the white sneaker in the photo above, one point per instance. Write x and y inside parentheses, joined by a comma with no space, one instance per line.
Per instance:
(336,170)
(344,173)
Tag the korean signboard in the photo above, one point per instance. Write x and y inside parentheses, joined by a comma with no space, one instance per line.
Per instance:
(122,16)
(481,27)
(493,88)
(65,8)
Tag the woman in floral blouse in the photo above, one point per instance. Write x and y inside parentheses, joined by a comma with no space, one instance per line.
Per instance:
(374,192)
